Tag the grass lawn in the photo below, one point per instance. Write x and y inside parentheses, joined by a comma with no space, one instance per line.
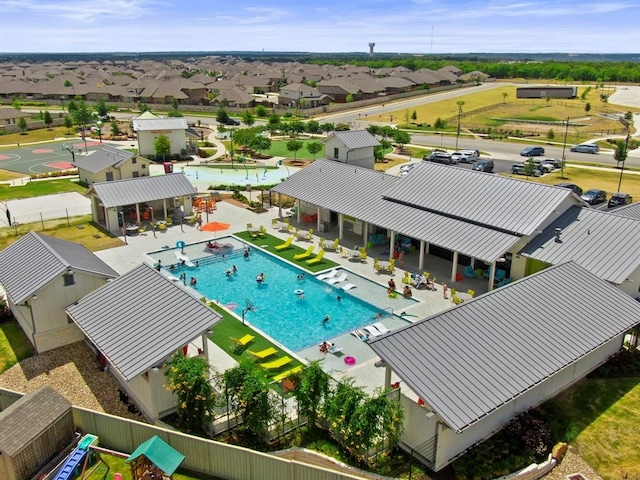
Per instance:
(603,413)
(14,345)
(79,230)
(587,178)
(269,242)
(6,175)
(40,188)
(279,149)
(39,135)
(118,465)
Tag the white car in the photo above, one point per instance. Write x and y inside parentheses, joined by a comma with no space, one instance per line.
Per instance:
(465,156)
(405,169)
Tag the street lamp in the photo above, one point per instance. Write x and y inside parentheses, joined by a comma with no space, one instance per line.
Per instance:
(231,136)
(99,124)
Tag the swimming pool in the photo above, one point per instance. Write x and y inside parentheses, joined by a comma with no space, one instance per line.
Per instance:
(295,321)
(239,175)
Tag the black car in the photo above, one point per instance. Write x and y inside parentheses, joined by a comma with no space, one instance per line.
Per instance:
(594,196)
(232,121)
(619,199)
(532,152)
(483,166)
(575,188)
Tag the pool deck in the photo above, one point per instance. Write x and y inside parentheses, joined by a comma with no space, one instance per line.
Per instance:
(364,371)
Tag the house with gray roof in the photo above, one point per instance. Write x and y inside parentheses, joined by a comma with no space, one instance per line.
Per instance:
(10,116)
(138,322)
(41,275)
(135,200)
(106,164)
(631,211)
(353,147)
(603,243)
(467,371)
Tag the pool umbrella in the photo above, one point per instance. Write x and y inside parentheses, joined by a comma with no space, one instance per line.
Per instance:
(215,226)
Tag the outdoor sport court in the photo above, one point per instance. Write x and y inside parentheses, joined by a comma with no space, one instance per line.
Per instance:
(44,157)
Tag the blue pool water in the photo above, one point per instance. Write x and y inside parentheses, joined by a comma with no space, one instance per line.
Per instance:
(294,321)
(239,176)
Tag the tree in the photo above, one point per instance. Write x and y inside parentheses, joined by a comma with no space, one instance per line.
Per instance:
(16,104)
(222,116)
(314,148)
(504,97)
(22,124)
(82,114)
(248,118)
(115,129)
(311,391)
(261,111)
(68,83)
(68,122)
(349,98)
(327,127)
(587,108)
(294,146)
(162,146)
(414,116)
(175,103)
(551,134)
(440,124)
(260,143)
(620,155)
(102,108)
(273,123)
(72,106)
(297,127)
(530,167)
(143,107)
(379,151)
(313,126)
(188,379)
(548,100)
(47,118)
(401,138)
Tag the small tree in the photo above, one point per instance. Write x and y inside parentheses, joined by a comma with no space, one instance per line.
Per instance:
(587,107)
(294,146)
(379,151)
(311,391)
(551,134)
(143,107)
(260,143)
(313,126)
(175,103)
(504,97)
(115,129)
(440,124)
(261,111)
(68,122)
(47,118)
(548,100)
(248,118)
(401,138)
(16,104)
(222,116)
(102,108)
(414,116)
(314,148)
(162,146)
(407,116)
(81,114)
(349,98)
(530,167)
(67,83)
(22,124)
(620,155)
(188,379)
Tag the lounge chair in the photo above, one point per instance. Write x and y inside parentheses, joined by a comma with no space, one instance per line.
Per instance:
(331,246)
(407,280)
(335,350)
(381,328)
(344,253)
(328,275)
(363,255)
(360,335)
(277,363)
(469,272)
(275,224)
(242,341)
(317,258)
(288,373)
(348,286)
(371,330)
(285,245)
(456,300)
(302,256)
(341,278)
(262,354)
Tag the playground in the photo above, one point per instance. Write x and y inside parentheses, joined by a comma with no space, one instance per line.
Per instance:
(44,157)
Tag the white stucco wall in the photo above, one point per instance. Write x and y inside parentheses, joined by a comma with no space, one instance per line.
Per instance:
(147,138)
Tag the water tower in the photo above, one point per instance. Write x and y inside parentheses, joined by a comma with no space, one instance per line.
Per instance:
(371,45)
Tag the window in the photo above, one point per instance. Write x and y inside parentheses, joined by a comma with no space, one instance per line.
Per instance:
(144,165)
(109,176)
(135,174)
(68,279)
(336,152)
(134,160)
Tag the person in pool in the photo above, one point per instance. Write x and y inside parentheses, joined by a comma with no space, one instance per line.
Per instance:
(260,278)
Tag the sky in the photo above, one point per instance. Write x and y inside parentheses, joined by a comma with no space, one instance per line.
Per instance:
(395,26)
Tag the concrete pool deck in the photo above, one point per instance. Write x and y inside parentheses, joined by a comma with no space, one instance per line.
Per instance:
(364,371)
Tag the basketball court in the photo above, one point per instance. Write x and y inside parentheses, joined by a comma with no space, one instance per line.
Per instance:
(44,157)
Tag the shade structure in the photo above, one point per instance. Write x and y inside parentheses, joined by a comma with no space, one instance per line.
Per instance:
(215,226)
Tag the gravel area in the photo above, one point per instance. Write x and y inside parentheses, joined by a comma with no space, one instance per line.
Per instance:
(572,463)
(74,373)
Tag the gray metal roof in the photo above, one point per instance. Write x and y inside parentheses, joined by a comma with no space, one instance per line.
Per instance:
(29,416)
(470,360)
(103,157)
(35,260)
(170,123)
(631,211)
(142,189)
(140,319)
(605,244)
(353,139)
(504,203)
(357,191)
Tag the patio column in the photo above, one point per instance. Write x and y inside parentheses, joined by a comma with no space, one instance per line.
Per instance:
(454,267)
(164,207)
(387,377)
(298,212)
(340,226)
(492,275)
(392,241)
(318,221)
(421,258)
(279,205)
(365,233)
(205,346)
(138,212)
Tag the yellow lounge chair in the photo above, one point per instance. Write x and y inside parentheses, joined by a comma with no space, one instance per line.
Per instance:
(276,364)
(363,255)
(262,354)
(288,373)
(243,341)
(275,224)
(317,259)
(302,256)
(407,280)
(285,245)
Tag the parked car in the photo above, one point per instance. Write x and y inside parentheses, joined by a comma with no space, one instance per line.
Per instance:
(556,162)
(521,169)
(586,148)
(405,169)
(594,196)
(232,121)
(466,156)
(439,157)
(532,152)
(619,198)
(483,166)
(572,186)
(543,166)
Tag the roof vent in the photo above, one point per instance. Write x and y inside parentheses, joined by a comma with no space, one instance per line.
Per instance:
(558,232)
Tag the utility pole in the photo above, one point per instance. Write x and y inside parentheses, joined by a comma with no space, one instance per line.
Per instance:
(564,146)
(460,104)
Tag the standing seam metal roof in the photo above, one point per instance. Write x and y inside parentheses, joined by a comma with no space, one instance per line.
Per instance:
(353,139)
(605,244)
(142,189)
(631,211)
(356,191)
(171,123)
(102,158)
(472,359)
(140,319)
(34,260)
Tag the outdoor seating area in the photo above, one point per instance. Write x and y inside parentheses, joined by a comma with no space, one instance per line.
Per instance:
(204,205)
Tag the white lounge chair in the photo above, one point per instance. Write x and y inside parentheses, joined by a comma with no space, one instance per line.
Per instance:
(348,286)
(371,330)
(341,278)
(381,328)
(335,350)
(328,275)
(360,335)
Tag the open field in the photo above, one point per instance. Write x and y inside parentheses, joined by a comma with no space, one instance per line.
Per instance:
(39,135)
(40,188)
